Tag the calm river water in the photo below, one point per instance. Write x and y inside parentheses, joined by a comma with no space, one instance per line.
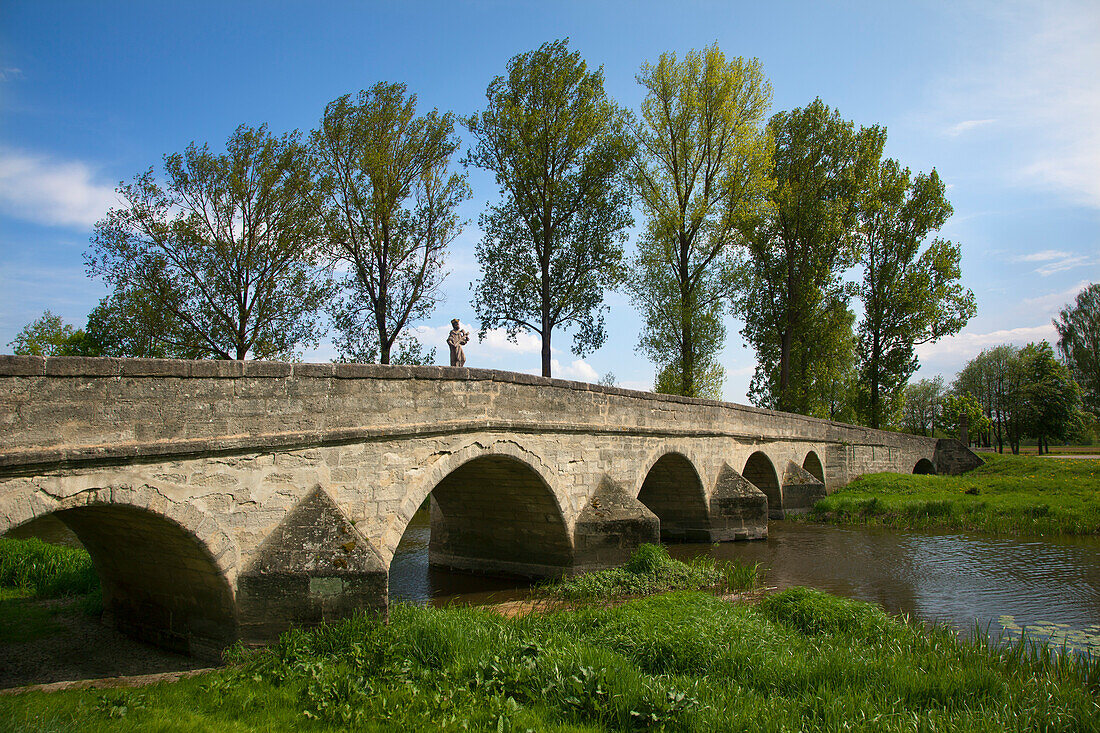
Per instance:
(1050,586)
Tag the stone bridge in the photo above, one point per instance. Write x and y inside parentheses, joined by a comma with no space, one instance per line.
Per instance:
(225,500)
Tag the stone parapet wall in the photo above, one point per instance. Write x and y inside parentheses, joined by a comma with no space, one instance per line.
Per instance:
(77,408)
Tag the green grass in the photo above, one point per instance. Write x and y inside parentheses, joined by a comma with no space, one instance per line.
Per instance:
(799,660)
(48,570)
(1009,494)
(650,570)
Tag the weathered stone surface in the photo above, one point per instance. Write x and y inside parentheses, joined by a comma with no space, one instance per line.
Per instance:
(801,489)
(216,496)
(738,510)
(313,567)
(610,527)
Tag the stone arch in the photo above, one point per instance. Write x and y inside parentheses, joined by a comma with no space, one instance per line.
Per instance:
(494,510)
(673,490)
(760,472)
(924,466)
(166,569)
(813,465)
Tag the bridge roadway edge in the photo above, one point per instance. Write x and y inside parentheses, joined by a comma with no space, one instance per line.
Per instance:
(228,451)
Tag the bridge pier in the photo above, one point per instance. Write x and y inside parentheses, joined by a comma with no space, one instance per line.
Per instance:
(314,567)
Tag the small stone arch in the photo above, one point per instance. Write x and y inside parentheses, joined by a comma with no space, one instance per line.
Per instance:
(673,490)
(166,569)
(924,466)
(813,465)
(494,510)
(760,472)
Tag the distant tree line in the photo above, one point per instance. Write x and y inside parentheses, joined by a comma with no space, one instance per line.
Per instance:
(1009,394)
(783,222)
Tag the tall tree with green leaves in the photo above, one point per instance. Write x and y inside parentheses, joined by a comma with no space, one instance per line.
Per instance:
(922,404)
(1079,343)
(1051,398)
(227,247)
(127,323)
(702,169)
(49,335)
(910,291)
(390,213)
(799,248)
(558,146)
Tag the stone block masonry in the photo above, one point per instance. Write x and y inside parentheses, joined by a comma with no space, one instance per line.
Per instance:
(225,500)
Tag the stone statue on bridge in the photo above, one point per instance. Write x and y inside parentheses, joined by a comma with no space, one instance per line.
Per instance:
(456,340)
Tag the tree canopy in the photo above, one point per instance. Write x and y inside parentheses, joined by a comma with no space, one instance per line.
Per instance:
(49,335)
(909,296)
(701,169)
(390,213)
(225,250)
(1079,343)
(558,147)
(792,289)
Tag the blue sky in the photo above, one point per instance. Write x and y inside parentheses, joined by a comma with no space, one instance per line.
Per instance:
(1002,98)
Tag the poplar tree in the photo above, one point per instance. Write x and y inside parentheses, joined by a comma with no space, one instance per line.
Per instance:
(792,297)
(558,147)
(701,170)
(910,289)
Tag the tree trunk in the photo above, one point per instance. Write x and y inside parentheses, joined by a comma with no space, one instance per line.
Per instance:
(784,370)
(687,337)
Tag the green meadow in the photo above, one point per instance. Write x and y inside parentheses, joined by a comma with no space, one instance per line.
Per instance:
(1024,495)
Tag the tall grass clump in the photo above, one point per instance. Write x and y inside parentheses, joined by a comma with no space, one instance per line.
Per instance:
(651,570)
(47,570)
(1008,495)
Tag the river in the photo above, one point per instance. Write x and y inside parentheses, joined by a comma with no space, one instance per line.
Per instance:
(1003,584)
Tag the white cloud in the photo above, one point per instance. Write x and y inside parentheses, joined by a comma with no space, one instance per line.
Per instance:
(10,72)
(55,193)
(577,370)
(966,125)
(1067,263)
(1042,88)
(957,349)
(1045,256)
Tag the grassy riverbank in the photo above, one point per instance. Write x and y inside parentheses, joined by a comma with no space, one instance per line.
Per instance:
(799,660)
(686,660)
(1009,494)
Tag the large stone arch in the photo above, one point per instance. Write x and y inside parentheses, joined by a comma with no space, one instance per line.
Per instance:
(813,465)
(761,473)
(673,490)
(166,569)
(494,510)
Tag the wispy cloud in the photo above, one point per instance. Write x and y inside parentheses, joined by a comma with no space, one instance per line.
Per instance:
(1041,88)
(1045,256)
(1051,303)
(1066,263)
(51,192)
(966,125)
(9,73)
